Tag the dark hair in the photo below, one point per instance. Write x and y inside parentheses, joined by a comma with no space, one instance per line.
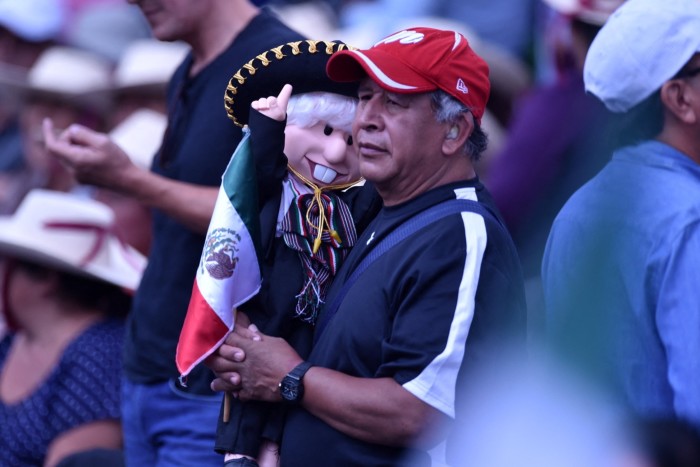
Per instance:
(641,123)
(586,31)
(448,109)
(85,292)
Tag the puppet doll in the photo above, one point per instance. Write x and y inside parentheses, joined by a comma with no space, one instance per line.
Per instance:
(310,217)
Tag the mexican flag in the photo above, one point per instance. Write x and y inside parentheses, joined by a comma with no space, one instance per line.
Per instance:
(228,273)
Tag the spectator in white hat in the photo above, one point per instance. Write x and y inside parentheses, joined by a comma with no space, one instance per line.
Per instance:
(24,35)
(620,270)
(66,85)
(67,279)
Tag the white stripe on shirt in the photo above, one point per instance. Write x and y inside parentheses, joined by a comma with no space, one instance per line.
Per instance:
(436,384)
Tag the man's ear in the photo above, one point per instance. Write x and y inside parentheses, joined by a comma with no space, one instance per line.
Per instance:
(680,100)
(457,134)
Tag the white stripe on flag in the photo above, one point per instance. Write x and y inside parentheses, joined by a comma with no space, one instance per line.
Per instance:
(228,273)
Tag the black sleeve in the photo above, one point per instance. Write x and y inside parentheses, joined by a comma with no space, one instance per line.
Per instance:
(364,203)
(267,146)
(242,433)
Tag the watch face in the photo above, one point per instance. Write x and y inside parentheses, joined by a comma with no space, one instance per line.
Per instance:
(289,390)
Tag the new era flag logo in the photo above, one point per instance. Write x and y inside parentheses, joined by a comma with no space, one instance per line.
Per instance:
(462,87)
(228,273)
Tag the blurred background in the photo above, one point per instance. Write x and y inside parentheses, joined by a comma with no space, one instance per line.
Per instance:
(95,62)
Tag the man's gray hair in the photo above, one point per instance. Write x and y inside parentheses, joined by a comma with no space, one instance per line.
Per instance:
(447,110)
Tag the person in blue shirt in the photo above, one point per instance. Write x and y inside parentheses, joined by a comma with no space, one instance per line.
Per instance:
(620,268)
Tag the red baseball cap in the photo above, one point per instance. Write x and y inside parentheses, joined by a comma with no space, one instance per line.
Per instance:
(419,60)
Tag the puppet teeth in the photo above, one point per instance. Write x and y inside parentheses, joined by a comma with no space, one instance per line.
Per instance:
(324,174)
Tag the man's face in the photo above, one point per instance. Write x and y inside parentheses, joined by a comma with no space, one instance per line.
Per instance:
(171,20)
(399,140)
(321,153)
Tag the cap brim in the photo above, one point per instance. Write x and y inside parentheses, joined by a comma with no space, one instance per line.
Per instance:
(387,71)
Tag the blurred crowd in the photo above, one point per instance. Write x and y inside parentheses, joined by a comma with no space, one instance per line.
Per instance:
(97,63)
(88,62)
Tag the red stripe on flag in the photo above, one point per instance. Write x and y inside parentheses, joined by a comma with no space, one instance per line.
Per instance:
(201,334)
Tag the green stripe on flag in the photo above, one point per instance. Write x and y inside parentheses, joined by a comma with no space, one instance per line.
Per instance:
(240,185)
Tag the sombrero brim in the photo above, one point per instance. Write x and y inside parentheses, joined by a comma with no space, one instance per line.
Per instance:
(19,244)
(301,64)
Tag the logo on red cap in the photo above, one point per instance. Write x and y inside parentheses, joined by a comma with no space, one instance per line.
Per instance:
(403,37)
(461,86)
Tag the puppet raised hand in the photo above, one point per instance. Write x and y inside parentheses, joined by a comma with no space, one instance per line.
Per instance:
(274,107)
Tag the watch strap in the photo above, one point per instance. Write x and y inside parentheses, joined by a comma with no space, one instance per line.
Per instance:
(300,370)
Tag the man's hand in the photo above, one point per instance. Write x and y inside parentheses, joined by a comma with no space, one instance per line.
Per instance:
(93,156)
(269,454)
(274,107)
(227,380)
(222,363)
(97,160)
(251,364)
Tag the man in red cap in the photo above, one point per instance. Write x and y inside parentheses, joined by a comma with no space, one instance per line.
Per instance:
(402,331)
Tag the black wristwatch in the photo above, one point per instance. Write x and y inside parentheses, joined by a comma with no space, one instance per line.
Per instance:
(291,386)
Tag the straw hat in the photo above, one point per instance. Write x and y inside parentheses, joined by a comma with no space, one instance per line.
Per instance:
(140,135)
(68,75)
(148,63)
(73,234)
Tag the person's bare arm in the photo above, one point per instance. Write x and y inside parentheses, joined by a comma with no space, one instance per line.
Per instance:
(97,160)
(105,434)
(376,410)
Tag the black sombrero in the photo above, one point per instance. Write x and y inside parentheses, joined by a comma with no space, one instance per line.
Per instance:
(301,64)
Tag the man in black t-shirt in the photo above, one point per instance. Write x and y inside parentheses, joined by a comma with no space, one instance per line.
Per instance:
(165,423)
(392,362)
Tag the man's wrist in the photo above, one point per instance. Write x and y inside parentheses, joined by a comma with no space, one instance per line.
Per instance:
(292,387)
(241,462)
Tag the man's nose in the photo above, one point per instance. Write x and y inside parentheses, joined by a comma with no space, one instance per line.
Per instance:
(366,115)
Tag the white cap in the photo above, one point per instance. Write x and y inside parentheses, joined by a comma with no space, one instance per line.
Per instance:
(641,46)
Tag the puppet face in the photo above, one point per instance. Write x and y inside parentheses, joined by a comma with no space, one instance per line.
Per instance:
(321,153)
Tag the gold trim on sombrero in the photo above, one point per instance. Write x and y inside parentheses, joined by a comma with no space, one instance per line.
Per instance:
(249,69)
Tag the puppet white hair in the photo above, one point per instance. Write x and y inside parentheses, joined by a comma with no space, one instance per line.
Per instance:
(308,109)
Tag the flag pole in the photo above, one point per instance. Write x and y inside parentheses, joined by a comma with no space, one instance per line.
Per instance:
(225,417)
(227,407)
